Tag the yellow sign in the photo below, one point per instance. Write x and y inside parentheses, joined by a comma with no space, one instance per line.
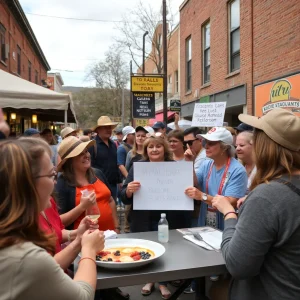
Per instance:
(141,122)
(280,91)
(147,84)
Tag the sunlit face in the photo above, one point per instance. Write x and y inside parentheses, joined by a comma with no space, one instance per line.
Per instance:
(45,181)
(140,137)
(213,149)
(156,152)
(175,144)
(104,132)
(82,162)
(243,148)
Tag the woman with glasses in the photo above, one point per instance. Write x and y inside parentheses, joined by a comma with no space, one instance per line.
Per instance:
(27,270)
(176,144)
(221,175)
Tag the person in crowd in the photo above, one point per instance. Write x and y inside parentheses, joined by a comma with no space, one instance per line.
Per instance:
(4,127)
(68,131)
(220,175)
(243,127)
(47,135)
(119,135)
(149,129)
(155,149)
(104,153)
(233,133)
(176,144)
(267,231)
(26,178)
(88,133)
(31,132)
(195,144)
(160,127)
(136,153)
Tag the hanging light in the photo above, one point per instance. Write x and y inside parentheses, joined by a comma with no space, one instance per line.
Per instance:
(13,116)
(34,119)
(51,127)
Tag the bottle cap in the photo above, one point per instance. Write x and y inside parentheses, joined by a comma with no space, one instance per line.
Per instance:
(163,215)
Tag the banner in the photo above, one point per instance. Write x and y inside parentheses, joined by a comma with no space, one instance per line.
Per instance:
(143,105)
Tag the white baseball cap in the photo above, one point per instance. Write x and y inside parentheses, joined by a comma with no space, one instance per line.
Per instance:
(127,130)
(217,134)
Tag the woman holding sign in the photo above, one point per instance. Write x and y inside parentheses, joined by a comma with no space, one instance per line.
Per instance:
(155,149)
(220,175)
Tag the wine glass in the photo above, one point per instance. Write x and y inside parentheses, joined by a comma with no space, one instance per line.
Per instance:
(93,211)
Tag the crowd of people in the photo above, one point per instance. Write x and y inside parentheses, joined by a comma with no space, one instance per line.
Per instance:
(246,184)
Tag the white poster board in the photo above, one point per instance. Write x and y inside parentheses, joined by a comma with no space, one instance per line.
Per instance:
(163,185)
(209,114)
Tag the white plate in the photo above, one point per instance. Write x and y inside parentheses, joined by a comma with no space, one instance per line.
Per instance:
(157,248)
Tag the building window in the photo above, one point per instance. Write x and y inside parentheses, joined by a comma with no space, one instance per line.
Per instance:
(36,79)
(234,25)
(2,43)
(19,60)
(188,54)
(29,70)
(176,82)
(206,52)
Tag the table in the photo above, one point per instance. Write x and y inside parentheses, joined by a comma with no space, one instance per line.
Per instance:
(182,260)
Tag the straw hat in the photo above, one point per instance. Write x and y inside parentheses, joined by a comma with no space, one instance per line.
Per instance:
(70,147)
(105,121)
(66,131)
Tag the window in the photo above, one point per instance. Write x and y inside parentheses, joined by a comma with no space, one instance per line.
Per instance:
(29,70)
(19,60)
(206,52)
(176,82)
(36,79)
(234,25)
(2,43)
(188,54)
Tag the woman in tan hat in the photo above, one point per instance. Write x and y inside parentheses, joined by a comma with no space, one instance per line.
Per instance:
(68,131)
(261,248)
(77,177)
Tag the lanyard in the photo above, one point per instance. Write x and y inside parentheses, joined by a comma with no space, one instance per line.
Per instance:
(223,177)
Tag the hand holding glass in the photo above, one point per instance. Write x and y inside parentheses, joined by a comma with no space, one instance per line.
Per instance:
(93,211)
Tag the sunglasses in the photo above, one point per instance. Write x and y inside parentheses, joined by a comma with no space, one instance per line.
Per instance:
(190,142)
(209,143)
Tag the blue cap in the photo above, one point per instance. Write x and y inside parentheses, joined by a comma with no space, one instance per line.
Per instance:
(30,132)
(158,125)
(244,127)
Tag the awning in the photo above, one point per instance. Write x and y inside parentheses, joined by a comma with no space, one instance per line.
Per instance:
(160,117)
(18,93)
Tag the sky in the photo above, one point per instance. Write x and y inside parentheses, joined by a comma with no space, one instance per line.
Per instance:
(72,45)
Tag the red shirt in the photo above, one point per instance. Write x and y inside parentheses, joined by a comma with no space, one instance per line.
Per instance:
(53,224)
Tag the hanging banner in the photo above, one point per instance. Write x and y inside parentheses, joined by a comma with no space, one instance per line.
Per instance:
(143,105)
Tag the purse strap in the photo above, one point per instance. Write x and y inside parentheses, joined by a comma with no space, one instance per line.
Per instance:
(290,185)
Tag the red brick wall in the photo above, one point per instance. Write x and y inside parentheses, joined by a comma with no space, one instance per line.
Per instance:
(15,36)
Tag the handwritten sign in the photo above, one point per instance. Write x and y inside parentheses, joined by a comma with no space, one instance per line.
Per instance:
(163,185)
(209,114)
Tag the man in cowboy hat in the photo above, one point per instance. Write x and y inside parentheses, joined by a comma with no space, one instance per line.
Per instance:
(104,154)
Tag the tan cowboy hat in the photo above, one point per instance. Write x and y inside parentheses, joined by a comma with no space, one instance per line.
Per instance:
(70,147)
(66,131)
(105,121)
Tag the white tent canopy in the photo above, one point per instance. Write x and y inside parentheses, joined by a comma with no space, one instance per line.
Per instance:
(18,93)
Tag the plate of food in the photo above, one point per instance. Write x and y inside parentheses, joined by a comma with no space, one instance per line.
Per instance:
(128,253)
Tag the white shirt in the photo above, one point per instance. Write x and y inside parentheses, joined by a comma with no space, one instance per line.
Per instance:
(199,159)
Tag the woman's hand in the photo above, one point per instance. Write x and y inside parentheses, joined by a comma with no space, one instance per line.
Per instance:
(222,204)
(87,201)
(93,241)
(193,193)
(133,186)
(240,202)
(86,224)
(189,155)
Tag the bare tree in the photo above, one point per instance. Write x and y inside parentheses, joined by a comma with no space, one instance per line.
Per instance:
(139,20)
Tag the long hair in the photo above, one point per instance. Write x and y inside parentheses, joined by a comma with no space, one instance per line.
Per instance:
(272,160)
(135,147)
(157,140)
(19,200)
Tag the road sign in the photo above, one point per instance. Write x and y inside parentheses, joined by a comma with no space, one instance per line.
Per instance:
(143,105)
(175,105)
(147,84)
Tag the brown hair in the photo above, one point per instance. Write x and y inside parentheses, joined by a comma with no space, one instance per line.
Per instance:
(134,147)
(177,134)
(157,140)
(272,160)
(19,200)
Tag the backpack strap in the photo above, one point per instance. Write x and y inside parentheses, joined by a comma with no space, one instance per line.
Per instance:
(126,147)
(290,185)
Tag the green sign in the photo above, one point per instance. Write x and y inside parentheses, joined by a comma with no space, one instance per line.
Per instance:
(204,99)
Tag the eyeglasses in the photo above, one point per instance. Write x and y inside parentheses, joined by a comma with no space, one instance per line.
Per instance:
(209,143)
(53,176)
(190,142)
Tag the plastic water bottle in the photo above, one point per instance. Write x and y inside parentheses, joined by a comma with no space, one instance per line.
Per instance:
(163,229)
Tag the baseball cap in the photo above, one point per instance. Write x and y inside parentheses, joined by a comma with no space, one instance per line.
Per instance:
(158,125)
(217,134)
(280,125)
(149,129)
(118,130)
(127,130)
(30,132)
(243,127)
(139,128)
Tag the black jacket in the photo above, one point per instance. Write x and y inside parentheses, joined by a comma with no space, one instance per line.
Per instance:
(2,136)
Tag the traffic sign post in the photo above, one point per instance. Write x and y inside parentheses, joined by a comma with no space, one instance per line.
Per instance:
(143,105)
(152,84)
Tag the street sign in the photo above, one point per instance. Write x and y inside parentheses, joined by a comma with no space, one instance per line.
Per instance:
(147,84)
(141,122)
(175,105)
(143,105)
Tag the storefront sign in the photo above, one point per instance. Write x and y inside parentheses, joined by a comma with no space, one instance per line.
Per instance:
(204,99)
(209,114)
(281,93)
(143,105)
(141,122)
(147,84)
(175,105)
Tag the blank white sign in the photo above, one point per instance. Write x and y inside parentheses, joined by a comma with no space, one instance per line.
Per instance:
(163,185)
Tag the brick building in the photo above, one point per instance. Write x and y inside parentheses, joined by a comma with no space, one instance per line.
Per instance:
(229,49)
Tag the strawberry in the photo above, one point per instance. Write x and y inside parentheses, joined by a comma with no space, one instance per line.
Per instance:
(137,257)
(135,253)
